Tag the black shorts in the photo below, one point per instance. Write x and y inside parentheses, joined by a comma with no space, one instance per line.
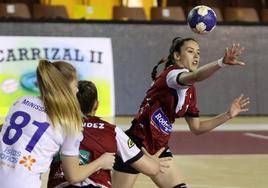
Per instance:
(120,166)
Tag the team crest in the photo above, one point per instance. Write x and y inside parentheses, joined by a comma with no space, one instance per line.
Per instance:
(130,143)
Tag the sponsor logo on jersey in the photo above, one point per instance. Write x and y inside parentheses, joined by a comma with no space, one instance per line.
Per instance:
(130,143)
(10,155)
(160,120)
(27,162)
(33,105)
(84,157)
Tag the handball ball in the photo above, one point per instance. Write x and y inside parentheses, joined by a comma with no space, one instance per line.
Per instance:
(202,19)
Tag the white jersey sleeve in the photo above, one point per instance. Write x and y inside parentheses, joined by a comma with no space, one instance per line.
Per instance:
(127,149)
(70,146)
(171,79)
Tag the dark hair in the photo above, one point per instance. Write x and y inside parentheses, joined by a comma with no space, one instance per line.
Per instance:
(176,45)
(87,95)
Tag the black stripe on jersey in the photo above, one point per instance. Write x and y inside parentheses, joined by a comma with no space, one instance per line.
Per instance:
(189,114)
(134,159)
(178,80)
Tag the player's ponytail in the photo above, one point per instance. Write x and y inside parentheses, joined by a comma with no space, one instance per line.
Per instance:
(170,61)
(154,72)
(59,100)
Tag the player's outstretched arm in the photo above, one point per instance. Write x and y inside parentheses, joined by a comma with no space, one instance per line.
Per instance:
(75,173)
(231,56)
(238,105)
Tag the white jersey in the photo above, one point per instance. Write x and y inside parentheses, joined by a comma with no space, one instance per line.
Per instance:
(28,144)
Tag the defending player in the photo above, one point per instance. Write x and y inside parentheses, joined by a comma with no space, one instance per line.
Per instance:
(100,137)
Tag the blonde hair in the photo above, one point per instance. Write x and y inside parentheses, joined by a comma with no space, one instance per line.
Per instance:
(60,102)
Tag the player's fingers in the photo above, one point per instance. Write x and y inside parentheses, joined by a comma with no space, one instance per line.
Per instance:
(158,153)
(238,51)
(163,165)
(165,159)
(238,99)
(240,63)
(244,109)
(241,96)
(241,50)
(233,49)
(244,104)
(226,51)
(244,100)
(144,151)
(237,47)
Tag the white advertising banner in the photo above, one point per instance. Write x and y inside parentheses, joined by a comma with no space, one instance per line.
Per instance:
(19,55)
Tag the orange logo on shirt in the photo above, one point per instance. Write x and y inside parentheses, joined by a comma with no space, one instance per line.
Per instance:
(27,162)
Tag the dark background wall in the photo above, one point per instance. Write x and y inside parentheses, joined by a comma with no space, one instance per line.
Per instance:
(138,47)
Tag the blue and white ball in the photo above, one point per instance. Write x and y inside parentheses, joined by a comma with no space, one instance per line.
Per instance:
(202,19)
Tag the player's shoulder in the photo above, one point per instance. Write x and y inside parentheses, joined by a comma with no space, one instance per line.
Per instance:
(174,69)
(28,99)
(106,123)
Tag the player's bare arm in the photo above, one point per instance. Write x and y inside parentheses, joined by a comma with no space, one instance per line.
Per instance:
(238,105)
(231,56)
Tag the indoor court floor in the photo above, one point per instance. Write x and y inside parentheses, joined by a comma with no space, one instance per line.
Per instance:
(234,155)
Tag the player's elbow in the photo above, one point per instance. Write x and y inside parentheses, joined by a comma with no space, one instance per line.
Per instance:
(72,179)
(195,131)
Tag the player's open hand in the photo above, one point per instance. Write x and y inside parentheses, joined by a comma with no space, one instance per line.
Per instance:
(231,55)
(163,161)
(239,104)
(156,155)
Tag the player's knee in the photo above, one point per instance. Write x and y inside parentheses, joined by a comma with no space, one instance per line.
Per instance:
(182,185)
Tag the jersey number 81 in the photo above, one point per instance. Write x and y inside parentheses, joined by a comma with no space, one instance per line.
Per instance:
(17,127)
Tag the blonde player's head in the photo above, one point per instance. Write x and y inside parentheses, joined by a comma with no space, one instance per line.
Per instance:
(58,86)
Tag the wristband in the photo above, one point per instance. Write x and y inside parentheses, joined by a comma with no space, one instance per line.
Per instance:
(220,62)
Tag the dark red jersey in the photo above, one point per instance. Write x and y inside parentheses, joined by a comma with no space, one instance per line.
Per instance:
(99,137)
(164,101)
